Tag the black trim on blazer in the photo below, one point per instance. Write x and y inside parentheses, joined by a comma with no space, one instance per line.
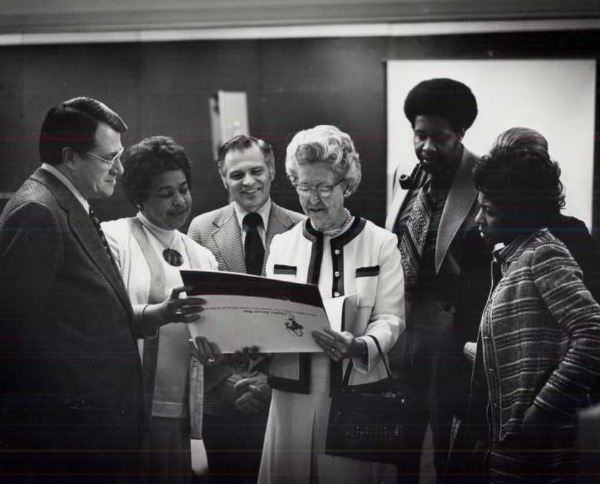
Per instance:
(316,254)
(302,385)
(367,271)
(283,269)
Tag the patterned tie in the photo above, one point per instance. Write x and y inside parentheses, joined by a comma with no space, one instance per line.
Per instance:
(415,234)
(254,251)
(98,228)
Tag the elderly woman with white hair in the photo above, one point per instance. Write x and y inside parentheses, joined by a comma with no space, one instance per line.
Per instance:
(343,254)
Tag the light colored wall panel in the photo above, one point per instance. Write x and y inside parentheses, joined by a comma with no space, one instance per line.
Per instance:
(555,97)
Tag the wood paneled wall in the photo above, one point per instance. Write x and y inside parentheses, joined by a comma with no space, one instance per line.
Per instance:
(163,88)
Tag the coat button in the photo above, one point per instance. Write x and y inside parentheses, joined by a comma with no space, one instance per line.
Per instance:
(336,273)
(336,294)
(336,251)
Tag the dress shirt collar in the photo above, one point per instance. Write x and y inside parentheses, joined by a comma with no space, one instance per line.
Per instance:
(263,211)
(57,173)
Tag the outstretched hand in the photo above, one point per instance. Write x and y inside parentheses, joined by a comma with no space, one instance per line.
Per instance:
(177,310)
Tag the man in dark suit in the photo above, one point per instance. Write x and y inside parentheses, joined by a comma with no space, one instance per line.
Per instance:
(237,396)
(432,212)
(69,366)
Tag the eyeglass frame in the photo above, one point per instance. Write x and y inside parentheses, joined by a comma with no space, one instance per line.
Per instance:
(309,189)
(110,162)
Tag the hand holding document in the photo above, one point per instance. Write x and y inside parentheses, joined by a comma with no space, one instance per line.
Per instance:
(277,316)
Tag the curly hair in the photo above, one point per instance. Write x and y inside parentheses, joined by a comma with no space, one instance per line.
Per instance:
(146,160)
(442,97)
(525,184)
(328,144)
(523,139)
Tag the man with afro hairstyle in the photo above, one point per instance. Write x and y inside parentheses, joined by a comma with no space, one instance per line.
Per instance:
(432,212)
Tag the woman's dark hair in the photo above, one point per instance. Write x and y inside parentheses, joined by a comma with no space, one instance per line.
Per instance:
(146,160)
(523,183)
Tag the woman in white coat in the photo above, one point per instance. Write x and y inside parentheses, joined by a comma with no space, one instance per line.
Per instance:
(150,252)
(343,254)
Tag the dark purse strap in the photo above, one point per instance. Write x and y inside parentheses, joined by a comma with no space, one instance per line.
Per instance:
(346,379)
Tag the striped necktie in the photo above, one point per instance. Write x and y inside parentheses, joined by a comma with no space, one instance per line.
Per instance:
(413,239)
(96,224)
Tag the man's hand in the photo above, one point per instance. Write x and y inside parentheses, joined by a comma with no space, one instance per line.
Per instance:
(470,350)
(207,352)
(255,394)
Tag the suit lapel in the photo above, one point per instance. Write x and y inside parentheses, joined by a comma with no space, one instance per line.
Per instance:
(227,237)
(279,222)
(459,203)
(84,232)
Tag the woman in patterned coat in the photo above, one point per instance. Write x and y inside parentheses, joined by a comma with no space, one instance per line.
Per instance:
(539,338)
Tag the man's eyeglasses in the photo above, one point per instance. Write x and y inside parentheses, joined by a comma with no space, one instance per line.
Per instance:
(324,191)
(110,162)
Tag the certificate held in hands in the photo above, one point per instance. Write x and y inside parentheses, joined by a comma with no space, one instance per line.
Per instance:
(243,310)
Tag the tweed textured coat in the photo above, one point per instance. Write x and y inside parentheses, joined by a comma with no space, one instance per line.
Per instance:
(69,353)
(219,231)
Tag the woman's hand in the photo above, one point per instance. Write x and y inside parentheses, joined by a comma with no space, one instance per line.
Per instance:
(340,345)
(176,310)
(207,352)
(537,421)
(172,310)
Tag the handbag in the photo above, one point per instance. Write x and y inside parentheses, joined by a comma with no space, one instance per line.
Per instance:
(368,426)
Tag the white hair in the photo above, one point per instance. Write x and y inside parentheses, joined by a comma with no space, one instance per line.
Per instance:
(324,143)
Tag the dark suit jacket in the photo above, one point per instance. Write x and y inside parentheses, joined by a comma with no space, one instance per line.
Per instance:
(69,365)
(458,216)
(429,355)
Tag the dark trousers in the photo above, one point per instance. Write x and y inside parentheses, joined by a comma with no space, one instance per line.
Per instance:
(428,367)
(63,456)
(166,449)
(234,446)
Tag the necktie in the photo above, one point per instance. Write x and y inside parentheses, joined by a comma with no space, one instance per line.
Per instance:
(98,228)
(415,234)
(254,250)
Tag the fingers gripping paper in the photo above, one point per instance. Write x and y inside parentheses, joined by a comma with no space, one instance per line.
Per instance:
(277,316)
